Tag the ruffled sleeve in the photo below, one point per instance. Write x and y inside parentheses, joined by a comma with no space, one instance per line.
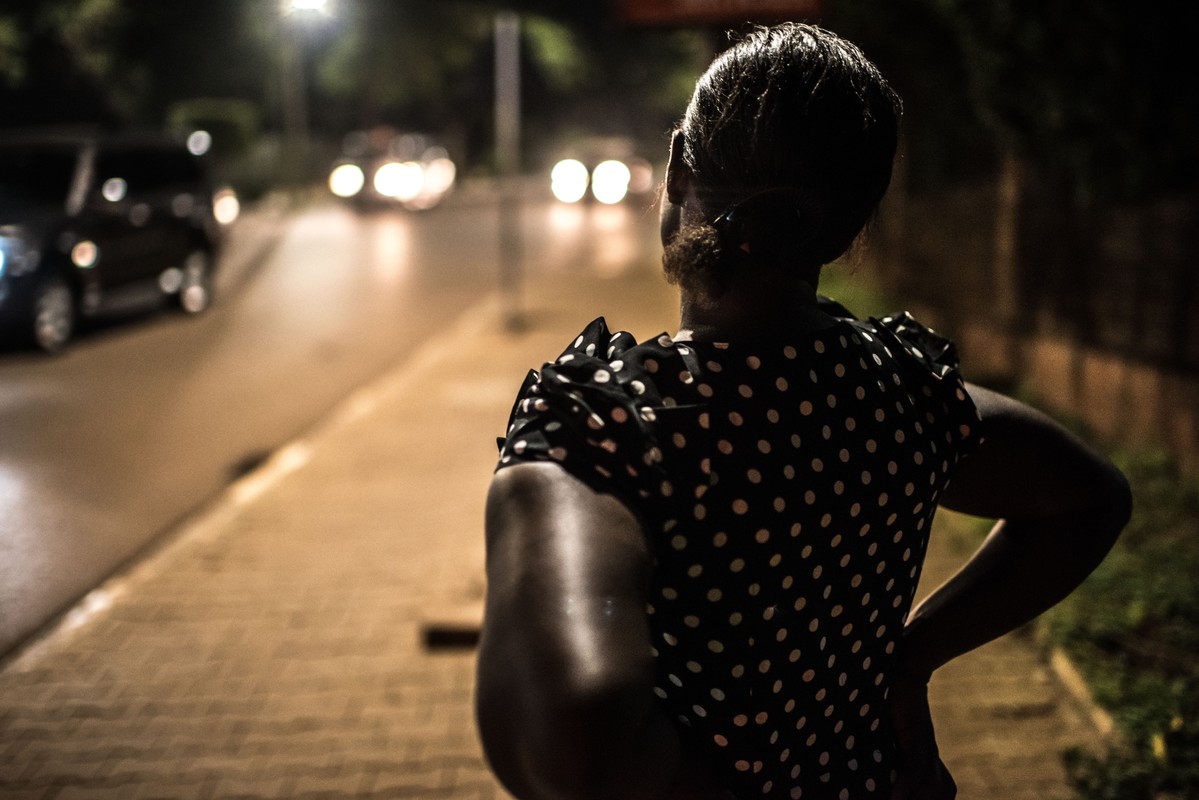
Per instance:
(580,412)
(933,364)
(931,348)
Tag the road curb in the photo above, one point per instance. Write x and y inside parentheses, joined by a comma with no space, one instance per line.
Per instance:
(1072,681)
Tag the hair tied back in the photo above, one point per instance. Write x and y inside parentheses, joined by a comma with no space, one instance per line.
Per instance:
(775,222)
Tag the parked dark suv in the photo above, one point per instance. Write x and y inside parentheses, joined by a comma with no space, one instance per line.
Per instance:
(92,224)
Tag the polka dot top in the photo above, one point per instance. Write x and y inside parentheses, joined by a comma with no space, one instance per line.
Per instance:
(787,492)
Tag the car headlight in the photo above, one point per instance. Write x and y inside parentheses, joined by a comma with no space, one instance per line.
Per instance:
(439,175)
(400,180)
(610,181)
(568,180)
(16,255)
(346,180)
(226,208)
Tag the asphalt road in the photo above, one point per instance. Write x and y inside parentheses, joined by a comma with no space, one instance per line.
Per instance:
(107,447)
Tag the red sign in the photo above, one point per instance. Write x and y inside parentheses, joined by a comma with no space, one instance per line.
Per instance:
(725,12)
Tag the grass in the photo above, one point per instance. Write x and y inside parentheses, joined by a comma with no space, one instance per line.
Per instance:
(1133,631)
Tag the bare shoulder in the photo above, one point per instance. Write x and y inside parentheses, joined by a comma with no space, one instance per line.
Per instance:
(545,491)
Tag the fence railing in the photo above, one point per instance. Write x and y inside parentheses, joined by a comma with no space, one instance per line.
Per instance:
(1097,304)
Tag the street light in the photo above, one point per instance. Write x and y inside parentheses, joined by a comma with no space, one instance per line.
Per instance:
(290,7)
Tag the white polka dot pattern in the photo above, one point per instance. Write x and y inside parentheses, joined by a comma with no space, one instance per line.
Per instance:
(787,491)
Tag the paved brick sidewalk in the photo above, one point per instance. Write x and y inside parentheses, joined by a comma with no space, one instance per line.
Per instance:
(273,648)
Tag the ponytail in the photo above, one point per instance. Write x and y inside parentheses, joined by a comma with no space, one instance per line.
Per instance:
(774,227)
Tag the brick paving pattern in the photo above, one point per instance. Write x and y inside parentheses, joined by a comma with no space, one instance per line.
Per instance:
(273,648)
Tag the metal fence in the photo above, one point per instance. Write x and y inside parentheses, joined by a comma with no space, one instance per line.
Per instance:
(1094,307)
(1124,279)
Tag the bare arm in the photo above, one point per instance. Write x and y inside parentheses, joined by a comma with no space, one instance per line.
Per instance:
(1060,507)
(564,703)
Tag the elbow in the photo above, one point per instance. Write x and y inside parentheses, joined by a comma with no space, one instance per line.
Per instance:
(500,733)
(552,724)
(556,739)
(508,683)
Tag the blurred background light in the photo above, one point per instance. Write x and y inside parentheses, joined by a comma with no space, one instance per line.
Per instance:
(305,5)
(226,207)
(182,205)
(85,254)
(114,189)
(170,280)
(199,142)
(439,175)
(610,181)
(568,180)
(346,180)
(403,181)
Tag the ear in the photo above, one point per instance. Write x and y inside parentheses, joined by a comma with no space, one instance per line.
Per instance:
(678,174)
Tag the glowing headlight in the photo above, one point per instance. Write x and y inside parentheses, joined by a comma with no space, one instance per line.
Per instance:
(610,181)
(226,208)
(3,260)
(439,175)
(568,180)
(346,180)
(403,181)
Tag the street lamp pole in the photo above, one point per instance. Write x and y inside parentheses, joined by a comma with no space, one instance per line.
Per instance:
(507,92)
(294,86)
(507,156)
(295,105)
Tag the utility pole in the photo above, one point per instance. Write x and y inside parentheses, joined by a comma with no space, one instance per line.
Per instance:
(295,100)
(507,156)
(295,18)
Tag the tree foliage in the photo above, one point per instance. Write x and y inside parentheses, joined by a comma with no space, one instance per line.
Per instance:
(1099,93)
(916,45)
(56,60)
(428,64)
(1096,95)
(401,61)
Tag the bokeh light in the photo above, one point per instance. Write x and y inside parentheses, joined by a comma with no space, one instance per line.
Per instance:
(568,180)
(610,181)
(402,180)
(346,180)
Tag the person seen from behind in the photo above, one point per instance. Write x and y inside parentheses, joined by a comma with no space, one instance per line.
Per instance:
(703,549)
